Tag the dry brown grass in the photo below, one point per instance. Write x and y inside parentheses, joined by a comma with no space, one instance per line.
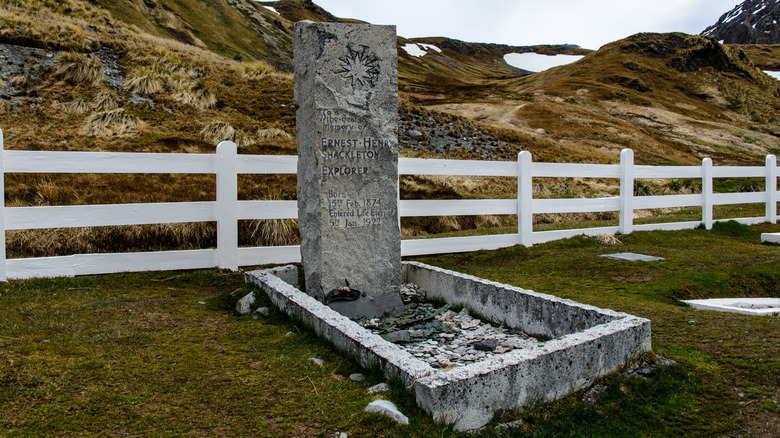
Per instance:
(218,131)
(86,240)
(608,239)
(112,122)
(198,98)
(18,81)
(103,100)
(274,232)
(76,106)
(143,81)
(75,68)
(256,70)
(272,133)
(26,22)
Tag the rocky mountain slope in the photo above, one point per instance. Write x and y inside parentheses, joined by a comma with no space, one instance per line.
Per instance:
(751,22)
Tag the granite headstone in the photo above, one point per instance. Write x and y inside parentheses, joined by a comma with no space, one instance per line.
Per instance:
(346,92)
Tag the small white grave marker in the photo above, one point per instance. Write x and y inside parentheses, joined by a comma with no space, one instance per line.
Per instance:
(632,257)
(748,306)
(770,238)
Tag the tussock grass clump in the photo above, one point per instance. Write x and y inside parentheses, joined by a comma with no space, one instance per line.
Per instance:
(113,122)
(199,98)
(103,101)
(274,232)
(272,133)
(143,81)
(257,70)
(608,239)
(163,70)
(75,68)
(271,232)
(218,131)
(76,106)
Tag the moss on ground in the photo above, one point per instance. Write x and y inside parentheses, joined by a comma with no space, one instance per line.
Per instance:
(163,353)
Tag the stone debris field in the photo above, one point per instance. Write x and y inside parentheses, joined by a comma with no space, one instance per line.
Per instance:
(443,337)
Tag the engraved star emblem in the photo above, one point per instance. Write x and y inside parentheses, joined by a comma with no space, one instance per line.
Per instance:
(359,67)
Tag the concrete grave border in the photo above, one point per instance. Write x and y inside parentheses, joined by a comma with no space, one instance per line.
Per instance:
(770,238)
(587,342)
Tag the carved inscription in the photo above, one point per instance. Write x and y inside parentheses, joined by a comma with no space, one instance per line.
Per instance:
(347,212)
(346,150)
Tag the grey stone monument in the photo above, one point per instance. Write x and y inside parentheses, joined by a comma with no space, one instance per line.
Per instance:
(346,91)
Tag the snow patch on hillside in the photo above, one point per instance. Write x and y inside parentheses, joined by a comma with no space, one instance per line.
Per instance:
(429,47)
(270,8)
(419,49)
(774,74)
(537,62)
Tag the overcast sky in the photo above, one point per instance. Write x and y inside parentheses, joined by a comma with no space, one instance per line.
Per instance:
(587,23)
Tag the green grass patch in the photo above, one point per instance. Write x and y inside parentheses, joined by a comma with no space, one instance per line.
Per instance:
(164,354)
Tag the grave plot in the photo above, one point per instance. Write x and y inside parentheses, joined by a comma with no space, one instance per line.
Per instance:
(582,343)
(346,94)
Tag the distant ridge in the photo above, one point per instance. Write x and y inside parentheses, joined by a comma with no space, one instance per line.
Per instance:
(751,22)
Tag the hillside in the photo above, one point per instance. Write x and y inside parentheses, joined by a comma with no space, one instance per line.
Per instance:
(674,98)
(455,68)
(152,76)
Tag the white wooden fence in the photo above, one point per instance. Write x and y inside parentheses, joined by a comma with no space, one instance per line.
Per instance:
(227,210)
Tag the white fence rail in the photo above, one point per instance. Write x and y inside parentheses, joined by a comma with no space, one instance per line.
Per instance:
(227,210)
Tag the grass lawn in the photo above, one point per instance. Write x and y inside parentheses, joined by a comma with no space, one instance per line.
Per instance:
(140,355)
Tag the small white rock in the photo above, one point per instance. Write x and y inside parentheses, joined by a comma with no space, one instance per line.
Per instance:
(261,312)
(243,306)
(317,361)
(385,407)
(357,377)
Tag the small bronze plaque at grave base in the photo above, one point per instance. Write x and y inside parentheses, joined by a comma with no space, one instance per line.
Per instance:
(346,90)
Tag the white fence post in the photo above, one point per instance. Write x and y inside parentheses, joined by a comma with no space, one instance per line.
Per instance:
(3,276)
(227,205)
(706,193)
(525,212)
(626,191)
(771,189)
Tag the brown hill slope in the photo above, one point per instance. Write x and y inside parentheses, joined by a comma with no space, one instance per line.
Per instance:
(236,29)
(674,98)
(453,68)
